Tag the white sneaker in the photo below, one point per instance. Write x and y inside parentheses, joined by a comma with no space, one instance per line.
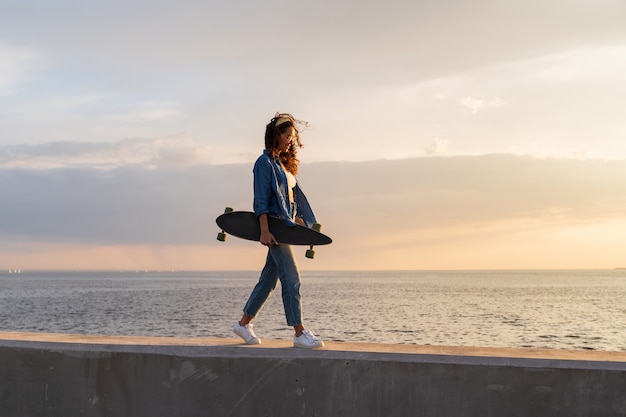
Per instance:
(307,340)
(246,333)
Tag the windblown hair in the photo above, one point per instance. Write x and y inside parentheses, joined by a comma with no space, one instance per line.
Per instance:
(279,123)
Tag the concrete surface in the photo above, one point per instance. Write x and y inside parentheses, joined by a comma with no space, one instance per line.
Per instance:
(79,375)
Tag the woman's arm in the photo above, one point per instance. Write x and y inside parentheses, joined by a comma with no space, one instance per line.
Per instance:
(262,185)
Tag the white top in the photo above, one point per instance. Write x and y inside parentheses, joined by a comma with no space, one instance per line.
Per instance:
(291,183)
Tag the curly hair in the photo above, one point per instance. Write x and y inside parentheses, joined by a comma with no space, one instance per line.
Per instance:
(278,125)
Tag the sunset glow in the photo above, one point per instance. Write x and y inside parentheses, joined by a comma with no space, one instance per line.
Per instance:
(443,136)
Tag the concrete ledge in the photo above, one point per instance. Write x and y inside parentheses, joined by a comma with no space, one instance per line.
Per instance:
(78,375)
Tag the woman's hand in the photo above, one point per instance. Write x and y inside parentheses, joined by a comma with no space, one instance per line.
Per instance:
(267,238)
(300,221)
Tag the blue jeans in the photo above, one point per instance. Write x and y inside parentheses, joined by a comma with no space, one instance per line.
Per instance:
(280,264)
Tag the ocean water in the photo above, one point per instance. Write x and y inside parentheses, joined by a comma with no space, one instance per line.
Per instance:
(580,310)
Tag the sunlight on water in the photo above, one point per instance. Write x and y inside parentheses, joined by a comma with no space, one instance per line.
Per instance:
(539,309)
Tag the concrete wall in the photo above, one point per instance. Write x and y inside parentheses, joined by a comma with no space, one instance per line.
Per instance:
(88,378)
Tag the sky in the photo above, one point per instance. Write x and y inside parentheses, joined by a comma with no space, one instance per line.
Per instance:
(443,135)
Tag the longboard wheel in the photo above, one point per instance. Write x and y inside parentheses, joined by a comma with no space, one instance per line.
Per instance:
(221,236)
(310,253)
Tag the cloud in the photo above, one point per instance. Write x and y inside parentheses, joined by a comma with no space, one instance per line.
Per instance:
(464,211)
(342,71)
(437,147)
(492,211)
(152,115)
(15,62)
(472,104)
(475,104)
(111,107)
(584,64)
(170,151)
(129,205)
(411,202)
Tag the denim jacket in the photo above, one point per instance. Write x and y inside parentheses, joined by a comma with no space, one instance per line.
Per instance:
(271,195)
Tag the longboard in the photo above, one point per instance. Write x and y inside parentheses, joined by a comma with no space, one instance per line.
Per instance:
(245,225)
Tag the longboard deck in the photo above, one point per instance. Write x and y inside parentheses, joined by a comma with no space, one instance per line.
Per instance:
(245,225)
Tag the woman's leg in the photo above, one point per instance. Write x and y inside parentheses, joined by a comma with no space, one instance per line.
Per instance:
(262,290)
(289,276)
(290,283)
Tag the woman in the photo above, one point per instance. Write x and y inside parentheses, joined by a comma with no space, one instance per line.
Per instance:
(277,194)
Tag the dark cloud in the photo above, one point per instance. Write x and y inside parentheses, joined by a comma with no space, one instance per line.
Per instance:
(125,205)
(353,200)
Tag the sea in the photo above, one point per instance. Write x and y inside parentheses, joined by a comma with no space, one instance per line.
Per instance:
(555,309)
